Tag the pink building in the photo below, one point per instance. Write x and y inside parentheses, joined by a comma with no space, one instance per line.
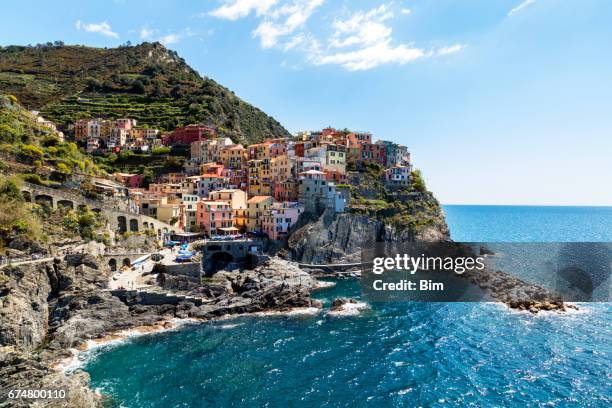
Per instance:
(213,215)
(212,168)
(278,220)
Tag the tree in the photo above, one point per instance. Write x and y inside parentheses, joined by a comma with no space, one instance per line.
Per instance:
(417,181)
(9,188)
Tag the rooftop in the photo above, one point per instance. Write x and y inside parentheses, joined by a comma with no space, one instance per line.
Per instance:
(258,199)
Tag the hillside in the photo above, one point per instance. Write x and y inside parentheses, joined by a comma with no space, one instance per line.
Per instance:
(147,82)
(35,151)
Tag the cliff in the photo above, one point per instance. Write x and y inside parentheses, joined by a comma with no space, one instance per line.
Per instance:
(339,237)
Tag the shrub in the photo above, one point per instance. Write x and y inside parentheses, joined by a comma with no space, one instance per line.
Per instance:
(63,168)
(30,153)
(10,188)
(33,178)
(16,219)
(160,151)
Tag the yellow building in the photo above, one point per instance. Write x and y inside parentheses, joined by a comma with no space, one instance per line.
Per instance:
(234,157)
(280,168)
(255,209)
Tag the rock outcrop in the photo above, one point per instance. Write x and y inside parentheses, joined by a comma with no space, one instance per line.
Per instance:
(338,238)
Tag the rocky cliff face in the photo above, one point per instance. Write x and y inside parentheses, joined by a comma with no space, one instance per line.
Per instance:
(340,237)
(28,298)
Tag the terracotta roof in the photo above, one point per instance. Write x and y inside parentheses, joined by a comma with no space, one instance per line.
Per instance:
(258,199)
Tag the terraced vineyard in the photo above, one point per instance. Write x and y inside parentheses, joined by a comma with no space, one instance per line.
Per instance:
(161,113)
(147,82)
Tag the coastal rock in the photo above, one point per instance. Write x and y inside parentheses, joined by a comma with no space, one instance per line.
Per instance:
(334,238)
(515,292)
(22,371)
(346,307)
(338,304)
(339,237)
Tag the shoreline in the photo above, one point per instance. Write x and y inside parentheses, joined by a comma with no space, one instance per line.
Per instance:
(70,364)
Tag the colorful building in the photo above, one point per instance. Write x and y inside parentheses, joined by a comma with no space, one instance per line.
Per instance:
(278,220)
(398,176)
(214,215)
(188,134)
(237,200)
(210,182)
(316,193)
(255,210)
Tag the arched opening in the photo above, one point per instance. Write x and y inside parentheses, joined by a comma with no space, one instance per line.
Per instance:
(98,210)
(27,196)
(217,261)
(82,207)
(145,225)
(121,223)
(44,199)
(134,225)
(66,204)
(126,262)
(222,257)
(112,264)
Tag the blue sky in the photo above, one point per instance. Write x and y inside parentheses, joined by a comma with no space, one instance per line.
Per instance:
(500,102)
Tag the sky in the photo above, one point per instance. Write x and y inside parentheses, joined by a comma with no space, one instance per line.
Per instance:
(500,102)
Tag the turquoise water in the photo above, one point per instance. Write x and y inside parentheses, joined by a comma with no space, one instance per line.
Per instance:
(501,223)
(404,354)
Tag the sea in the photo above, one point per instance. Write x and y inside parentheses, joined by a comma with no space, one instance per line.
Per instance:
(406,354)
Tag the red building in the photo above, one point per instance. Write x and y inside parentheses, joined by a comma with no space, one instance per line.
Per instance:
(373,153)
(356,139)
(335,176)
(188,134)
(129,180)
(286,191)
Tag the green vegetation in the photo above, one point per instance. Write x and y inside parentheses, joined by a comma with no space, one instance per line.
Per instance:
(16,217)
(146,82)
(84,223)
(149,166)
(413,207)
(39,149)
(418,184)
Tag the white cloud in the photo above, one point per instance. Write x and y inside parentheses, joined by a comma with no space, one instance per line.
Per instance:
(520,7)
(235,9)
(284,20)
(168,39)
(153,34)
(101,28)
(366,42)
(362,28)
(373,56)
(147,33)
(450,49)
(361,40)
